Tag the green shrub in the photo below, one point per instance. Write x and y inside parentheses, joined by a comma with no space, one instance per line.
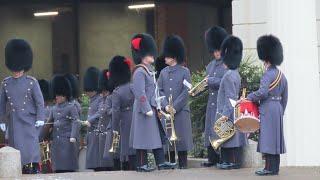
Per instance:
(250,72)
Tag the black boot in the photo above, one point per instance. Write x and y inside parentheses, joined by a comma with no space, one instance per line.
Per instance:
(213,158)
(183,159)
(145,168)
(116,165)
(167,165)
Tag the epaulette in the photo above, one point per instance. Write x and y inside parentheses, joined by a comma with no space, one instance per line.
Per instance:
(30,77)
(6,79)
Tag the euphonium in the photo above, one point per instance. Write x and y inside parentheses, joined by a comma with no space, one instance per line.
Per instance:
(115,142)
(225,130)
(198,88)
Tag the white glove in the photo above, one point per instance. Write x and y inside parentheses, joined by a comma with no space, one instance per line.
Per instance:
(39,123)
(149,113)
(3,127)
(73,140)
(87,123)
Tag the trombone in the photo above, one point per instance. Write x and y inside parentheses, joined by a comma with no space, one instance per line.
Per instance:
(170,125)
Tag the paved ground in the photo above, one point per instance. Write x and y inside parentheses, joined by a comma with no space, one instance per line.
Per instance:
(190,174)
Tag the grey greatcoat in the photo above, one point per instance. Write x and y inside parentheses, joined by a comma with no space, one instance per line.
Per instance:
(104,118)
(66,125)
(44,133)
(229,89)
(144,132)
(93,158)
(26,106)
(215,71)
(272,106)
(122,102)
(109,132)
(170,82)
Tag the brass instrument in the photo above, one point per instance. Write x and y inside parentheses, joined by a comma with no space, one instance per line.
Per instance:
(170,126)
(198,88)
(45,157)
(115,142)
(225,129)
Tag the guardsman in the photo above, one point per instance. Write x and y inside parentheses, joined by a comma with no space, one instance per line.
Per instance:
(75,90)
(146,128)
(66,127)
(122,102)
(229,90)
(103,114)
(25,104)
(214,71)
(46,92)
(273,97)
(91,88)
(174,81)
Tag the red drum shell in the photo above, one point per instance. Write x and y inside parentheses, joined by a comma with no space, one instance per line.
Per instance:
(247,117)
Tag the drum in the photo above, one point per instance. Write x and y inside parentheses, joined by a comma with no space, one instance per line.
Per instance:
(247,117)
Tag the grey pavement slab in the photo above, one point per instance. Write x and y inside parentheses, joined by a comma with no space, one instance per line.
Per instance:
(286,173)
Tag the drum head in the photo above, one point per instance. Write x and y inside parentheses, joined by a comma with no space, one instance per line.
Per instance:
(247,124)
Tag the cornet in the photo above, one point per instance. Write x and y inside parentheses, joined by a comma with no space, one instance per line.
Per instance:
(199,88)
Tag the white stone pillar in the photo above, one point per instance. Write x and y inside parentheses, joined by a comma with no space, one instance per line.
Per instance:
(294,22)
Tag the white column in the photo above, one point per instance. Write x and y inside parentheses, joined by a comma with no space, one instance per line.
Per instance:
(294,22)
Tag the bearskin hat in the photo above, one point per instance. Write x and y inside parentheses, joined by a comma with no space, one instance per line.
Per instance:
(214,38)
(173,47)
(74,82)
(91,79)
(143,45)
(270,49)
(18,55)
(159,65)
(104,81)
(61,86)
(45,89)
(231,52)
(120,70)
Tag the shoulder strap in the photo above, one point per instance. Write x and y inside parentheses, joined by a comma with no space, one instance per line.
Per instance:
(276,81)
(143,66)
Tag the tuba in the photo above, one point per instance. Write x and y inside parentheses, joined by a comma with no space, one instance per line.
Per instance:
(225,129)
(115,142)
(199,88)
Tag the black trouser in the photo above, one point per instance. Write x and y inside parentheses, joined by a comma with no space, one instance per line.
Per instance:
(272,162)
(231,155)
(116,165)
(142,157)
(131,164)
(213,156)
(182,158)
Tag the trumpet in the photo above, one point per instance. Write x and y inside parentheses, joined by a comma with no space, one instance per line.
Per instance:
(115,142)
(199,88)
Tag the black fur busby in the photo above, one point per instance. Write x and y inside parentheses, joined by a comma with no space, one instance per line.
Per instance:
(91,79)
(159,65)
(120,70)
(61,86)
(104,81)
(270,49)
(214,38)
(18,55)
(45,89)
(173,47)
(74,82)
(231,52)
(143,45)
